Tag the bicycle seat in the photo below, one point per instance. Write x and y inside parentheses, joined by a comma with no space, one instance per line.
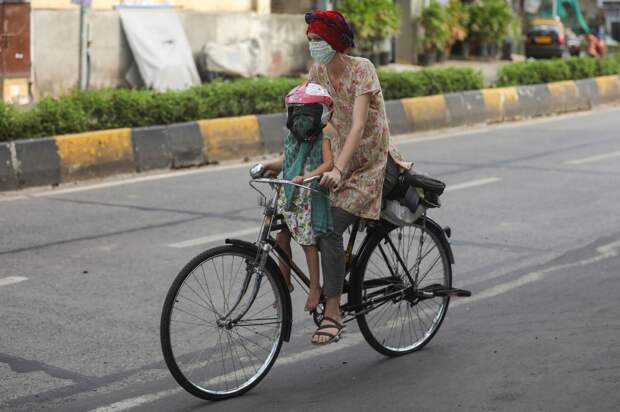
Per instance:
(429,184)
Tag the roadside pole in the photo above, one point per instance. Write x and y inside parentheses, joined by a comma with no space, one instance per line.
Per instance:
(84,42)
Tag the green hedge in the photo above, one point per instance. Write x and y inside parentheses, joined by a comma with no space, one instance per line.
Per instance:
(429,82)
(545,71)
(115,108)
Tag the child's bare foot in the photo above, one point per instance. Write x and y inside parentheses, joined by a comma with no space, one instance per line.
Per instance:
(313,300)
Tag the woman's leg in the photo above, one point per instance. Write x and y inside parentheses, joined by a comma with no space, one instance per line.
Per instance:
(312,258)
(283,238)
(333,265)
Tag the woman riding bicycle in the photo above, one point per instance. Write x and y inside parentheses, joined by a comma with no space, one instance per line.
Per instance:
(360,146)
(228,311)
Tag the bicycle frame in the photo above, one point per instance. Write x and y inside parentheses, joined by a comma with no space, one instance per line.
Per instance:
(266,245)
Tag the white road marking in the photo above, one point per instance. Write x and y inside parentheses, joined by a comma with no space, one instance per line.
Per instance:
(604,252)
(122,182)
(351,339)
(12,198)
(473,183)
(590,159)
(12,280)
(141,179)
(214,238)
(137,401)
(348,340)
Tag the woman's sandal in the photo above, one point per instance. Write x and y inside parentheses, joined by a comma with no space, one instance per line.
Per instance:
(333,337)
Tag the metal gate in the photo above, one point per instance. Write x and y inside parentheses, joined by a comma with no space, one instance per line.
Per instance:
(14,39)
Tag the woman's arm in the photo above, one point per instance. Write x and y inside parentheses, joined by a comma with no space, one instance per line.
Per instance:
(352,142)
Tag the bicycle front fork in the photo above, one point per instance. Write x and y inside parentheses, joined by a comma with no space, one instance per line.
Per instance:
(254,271)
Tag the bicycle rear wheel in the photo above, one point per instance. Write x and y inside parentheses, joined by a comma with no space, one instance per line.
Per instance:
(211,355)
(405,322)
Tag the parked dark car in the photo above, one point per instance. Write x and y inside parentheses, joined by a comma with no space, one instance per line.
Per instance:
(545,38)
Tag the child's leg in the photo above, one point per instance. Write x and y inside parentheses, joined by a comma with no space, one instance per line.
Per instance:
(312,258)
(284,241)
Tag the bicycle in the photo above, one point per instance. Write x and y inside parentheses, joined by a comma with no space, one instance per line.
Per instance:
(228,311)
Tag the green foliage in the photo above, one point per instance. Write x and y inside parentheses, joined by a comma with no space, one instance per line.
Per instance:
(545,71)
(582,68)
(434,20)
(372,20)
(430,81)
(7,116)
(489,20)
(112,108)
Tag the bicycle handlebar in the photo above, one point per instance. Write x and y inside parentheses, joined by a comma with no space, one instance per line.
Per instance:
(287,182)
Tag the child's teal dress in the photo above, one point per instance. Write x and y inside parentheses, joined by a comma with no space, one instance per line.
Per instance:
(304,221)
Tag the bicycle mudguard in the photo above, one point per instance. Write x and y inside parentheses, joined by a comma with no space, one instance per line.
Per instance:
(271,264)
(441,234)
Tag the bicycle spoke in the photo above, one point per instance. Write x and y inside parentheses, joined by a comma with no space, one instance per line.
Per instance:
(192,315)
(200,297)
(208,290)
(195,303)
(217,276)
(437,259)
(247,350)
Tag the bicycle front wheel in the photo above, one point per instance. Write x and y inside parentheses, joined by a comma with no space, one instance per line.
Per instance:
(222,323)
(400,321)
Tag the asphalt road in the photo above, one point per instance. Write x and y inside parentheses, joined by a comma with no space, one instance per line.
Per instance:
(536,234)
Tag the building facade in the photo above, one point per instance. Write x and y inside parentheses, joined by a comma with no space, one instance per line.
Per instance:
(54,37)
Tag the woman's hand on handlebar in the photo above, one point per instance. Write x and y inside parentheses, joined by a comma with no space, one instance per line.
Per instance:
(331,179)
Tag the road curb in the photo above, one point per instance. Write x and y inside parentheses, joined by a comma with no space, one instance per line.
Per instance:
(69,158)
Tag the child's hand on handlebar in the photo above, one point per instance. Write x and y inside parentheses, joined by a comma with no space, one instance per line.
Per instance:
(331,179)
(298,179)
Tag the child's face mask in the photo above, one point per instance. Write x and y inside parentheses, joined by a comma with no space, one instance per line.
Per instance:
(304,121)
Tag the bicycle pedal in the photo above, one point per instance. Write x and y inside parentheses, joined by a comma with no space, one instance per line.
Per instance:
(440,291)
(462,293)
(454,292)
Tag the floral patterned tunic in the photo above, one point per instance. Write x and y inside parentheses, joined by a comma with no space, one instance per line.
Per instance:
(359,192)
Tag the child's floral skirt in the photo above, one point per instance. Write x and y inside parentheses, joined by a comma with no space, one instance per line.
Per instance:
(299,217)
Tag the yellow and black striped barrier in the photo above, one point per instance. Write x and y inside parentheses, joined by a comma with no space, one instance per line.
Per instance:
(70,158)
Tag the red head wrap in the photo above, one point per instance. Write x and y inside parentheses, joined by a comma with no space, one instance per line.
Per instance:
(332,27)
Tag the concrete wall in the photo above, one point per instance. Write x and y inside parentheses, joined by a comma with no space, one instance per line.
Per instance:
(55,44)
(55,48)
(217,6)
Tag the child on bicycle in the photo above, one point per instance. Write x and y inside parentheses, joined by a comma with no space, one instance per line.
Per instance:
(307,153)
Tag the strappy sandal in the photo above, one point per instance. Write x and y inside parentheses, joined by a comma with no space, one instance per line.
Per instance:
(333,337)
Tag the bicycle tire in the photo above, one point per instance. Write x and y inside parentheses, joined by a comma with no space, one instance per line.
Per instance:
(369,327)
(179,371)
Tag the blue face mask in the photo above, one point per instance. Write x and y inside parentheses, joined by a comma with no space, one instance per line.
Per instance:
(321,52)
